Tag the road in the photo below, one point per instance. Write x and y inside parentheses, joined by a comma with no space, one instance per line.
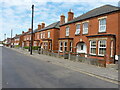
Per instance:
(21,71)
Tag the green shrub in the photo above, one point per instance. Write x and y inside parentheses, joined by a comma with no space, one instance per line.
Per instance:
(34,47)
(16,46)
(26,47)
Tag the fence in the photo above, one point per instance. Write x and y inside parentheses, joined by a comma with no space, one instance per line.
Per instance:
(73,56)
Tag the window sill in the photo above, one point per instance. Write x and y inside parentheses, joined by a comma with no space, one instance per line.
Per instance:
(85,34)
(77,34)
(92,54)
(102,32)
(100,55)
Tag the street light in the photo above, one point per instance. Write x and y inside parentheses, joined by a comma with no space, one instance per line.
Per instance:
(32,29)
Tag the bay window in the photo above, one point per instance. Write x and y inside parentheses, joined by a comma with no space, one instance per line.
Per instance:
(65,46)
(102,47)
(61,46)
(70,46)
(93,47)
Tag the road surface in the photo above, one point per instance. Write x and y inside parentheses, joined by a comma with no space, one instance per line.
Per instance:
(21,71)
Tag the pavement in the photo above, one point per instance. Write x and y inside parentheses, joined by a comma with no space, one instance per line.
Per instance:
(107,74)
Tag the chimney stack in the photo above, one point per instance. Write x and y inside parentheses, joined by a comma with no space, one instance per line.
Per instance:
(43,25)
(39,26)
(62,19)
(70,15)
(22,32)
(16,34)
(30,29)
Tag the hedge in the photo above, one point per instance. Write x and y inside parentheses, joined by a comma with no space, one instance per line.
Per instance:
(34,47)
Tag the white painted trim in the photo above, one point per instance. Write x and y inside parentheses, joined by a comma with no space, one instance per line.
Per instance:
(85,21)
(102,17)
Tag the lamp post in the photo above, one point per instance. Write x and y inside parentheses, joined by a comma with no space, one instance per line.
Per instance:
(32,30)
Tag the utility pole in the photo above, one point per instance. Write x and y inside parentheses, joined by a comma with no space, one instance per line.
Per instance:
(32,29)
(11,37)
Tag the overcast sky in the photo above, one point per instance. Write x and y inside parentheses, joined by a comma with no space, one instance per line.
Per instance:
(16,14)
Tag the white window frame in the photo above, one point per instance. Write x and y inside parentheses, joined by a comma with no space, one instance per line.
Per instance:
(112,48)
(41,35)
(100,25)
(38,36)
(48,34)
(77,32)
(92,47)
(60,46)
(67,31)
(44,35)
(85,29)
(101,47)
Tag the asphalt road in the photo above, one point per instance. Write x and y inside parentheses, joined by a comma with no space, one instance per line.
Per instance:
(21,71)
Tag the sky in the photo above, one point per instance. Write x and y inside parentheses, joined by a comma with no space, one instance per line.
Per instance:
(16,14)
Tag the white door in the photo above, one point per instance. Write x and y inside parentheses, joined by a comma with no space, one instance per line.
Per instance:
(81,48)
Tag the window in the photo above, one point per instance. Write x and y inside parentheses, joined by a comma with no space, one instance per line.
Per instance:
(45,45)
(85,28)
(77,29)
(67,31)
(44,35)
(93,47)
(65,46)
(102,25)
(35,43)
(37,36)
(29,37)
(111,49)
(48,34)
(50,46)
(41,35)
(102,47)
(70,46)
(61,47)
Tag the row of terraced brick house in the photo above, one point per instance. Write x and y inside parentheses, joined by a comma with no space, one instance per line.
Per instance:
(93,34)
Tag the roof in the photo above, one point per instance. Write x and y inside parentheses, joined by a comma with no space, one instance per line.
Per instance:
(17,36)
(51,26)
(95,12)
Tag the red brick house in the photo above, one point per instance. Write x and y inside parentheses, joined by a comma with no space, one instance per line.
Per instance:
(47,37)
(26,38)
(17,40)
(94,34)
